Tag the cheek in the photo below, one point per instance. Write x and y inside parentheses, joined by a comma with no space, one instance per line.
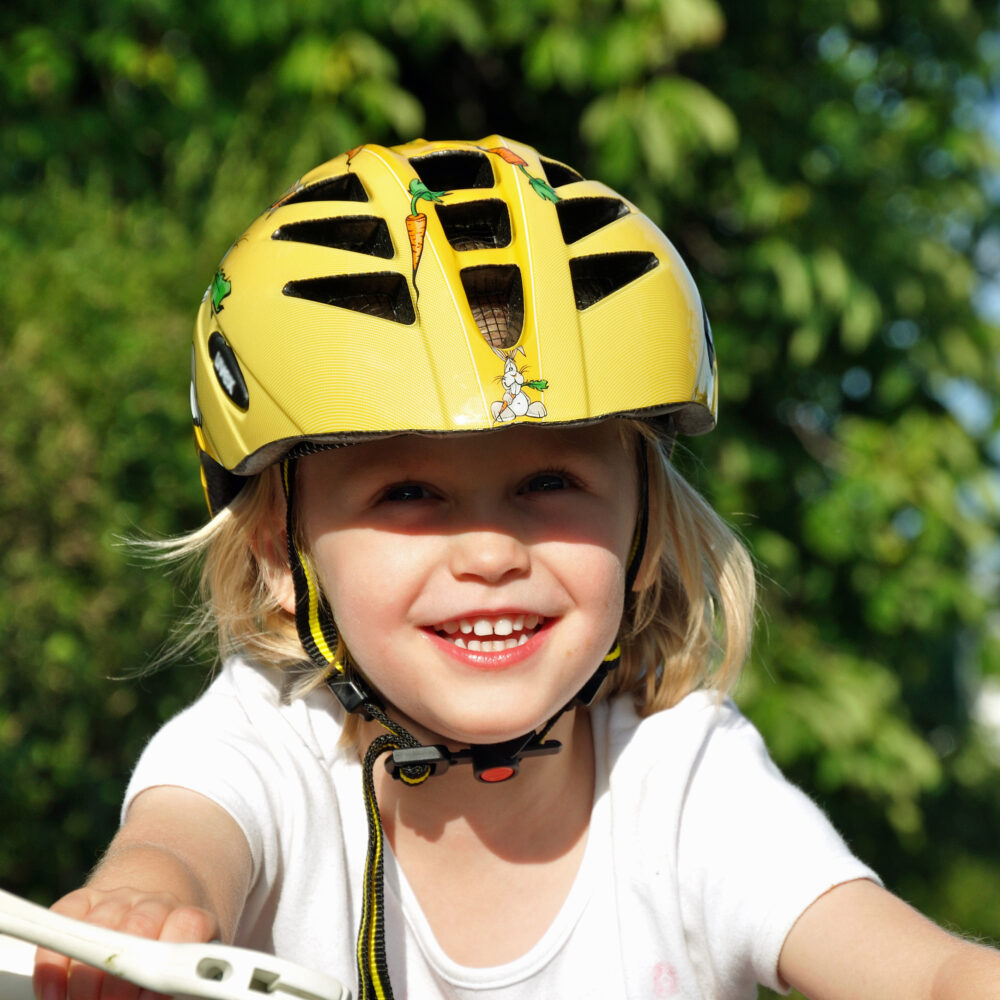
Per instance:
(369,582)
(594,575)
(341,570)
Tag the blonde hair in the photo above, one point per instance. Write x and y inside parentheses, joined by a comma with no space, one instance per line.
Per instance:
(688,627)
(690,624)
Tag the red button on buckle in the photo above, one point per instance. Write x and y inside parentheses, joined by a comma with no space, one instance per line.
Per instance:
(493,774)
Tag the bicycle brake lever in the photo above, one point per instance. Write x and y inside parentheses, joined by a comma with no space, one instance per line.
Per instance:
(185,971)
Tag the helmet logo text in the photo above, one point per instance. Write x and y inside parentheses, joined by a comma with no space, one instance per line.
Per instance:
(227,371)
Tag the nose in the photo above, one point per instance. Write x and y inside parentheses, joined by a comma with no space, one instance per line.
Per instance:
(489,555)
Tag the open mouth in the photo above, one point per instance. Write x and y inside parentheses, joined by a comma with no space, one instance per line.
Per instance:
(490,635)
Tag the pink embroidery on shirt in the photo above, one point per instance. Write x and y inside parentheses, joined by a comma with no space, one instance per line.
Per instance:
(664,980)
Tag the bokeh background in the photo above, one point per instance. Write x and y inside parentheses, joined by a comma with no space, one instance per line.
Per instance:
(828,169)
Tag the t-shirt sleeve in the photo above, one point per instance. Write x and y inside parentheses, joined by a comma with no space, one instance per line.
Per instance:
(210,748)
(754,852)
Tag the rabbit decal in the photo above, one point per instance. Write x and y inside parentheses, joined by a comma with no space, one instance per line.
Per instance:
(516,402)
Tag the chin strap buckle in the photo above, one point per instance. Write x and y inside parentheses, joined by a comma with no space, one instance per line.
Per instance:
(352,692)
(491,763)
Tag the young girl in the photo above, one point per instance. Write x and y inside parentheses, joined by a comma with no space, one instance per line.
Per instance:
(434,392)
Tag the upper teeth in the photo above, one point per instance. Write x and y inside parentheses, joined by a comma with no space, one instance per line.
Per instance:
(502,626)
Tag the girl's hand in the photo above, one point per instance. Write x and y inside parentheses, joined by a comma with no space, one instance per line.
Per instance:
(178,870)
(159,916)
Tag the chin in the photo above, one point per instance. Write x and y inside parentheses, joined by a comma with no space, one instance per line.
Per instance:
(472,718)
(470,734)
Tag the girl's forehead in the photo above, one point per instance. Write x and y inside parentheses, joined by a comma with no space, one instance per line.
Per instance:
(603,441)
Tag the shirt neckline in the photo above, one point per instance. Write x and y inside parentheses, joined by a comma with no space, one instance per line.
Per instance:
(596,853)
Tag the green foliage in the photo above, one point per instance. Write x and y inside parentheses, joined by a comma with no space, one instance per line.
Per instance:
(821,166)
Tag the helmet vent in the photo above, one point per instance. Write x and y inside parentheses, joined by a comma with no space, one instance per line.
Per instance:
(384,295)
(497,302)
(579,217)
(357,233)
(476,225)
(600,275)
(454,170)
(709,342)
(558,174)
(346,187)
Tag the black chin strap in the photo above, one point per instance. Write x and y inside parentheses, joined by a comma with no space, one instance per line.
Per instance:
(411,761)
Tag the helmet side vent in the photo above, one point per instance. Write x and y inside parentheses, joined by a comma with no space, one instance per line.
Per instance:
(579,217)
(454,170)
(384,294)
(346,187)
(709,342)
(601,274)
(476,225)
(357,233)
(497,302)
(558,174)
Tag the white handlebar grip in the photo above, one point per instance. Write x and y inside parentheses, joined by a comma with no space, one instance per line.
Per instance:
(196,971)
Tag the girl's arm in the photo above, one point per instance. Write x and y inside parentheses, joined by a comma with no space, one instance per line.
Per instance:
(858,942)
(178,870)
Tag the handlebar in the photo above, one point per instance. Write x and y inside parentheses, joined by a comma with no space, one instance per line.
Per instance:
(185,971)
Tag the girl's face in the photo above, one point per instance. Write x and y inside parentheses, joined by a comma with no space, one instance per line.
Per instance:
(478,581)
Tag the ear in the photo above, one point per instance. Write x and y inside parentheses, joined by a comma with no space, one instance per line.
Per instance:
(277,575)
(269,545)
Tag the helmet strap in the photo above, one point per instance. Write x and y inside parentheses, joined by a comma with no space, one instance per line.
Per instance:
(640,536)
(313,617)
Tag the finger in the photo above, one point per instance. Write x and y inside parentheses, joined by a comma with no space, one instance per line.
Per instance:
(188,923)
(83,982)
(113,988)
(153,918)
(49,977)
(51,972)
(145,920)
(119,989)
(75,904)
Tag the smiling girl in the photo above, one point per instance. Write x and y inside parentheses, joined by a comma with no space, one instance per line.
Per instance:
(470,735)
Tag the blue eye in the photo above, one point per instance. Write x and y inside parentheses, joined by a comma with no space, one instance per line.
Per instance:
(546,481)
(403,492)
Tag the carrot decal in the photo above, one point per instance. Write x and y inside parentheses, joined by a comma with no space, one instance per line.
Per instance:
(416,222)
(416,228)
(509,155)
(542,188)
(351,153)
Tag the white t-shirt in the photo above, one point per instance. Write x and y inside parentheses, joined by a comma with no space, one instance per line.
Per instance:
(700,856)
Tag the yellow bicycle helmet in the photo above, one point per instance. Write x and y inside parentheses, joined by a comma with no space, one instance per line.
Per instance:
(437,287)
(441,287)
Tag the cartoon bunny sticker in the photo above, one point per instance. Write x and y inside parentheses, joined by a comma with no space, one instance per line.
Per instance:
(516,402)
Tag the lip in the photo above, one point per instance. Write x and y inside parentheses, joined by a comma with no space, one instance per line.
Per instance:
(492,660)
